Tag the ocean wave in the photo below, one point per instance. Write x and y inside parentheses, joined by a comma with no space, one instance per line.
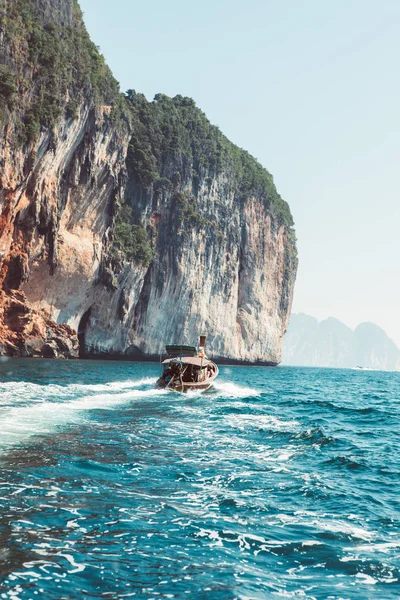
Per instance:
(346,461)
(315,436)
(234,390)
(260,422)
(232,494)
(317,404)
(19,424)
(14,389)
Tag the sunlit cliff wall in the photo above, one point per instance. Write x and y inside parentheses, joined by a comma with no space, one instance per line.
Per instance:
(126,224)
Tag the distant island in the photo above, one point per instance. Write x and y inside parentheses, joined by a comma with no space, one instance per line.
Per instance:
(330,343)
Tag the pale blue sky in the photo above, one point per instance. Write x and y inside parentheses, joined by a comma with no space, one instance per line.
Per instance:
(311,88)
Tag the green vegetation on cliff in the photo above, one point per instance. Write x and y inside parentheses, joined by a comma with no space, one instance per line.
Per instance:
(8,88)
(131,239)
(174,130)
(54,65)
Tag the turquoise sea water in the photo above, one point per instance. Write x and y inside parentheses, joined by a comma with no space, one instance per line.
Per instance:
(283,483)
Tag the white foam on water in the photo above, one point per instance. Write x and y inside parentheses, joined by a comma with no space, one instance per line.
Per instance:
(325,523)
(21,390)
(346,528)
(367,579)
(20,423)
(233,390)
(310,543)
(383,547)
(114,385)
(244,421)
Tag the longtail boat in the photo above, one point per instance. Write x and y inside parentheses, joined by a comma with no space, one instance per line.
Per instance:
(187,369)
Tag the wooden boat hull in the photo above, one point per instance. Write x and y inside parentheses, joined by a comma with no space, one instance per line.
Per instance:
(186,386)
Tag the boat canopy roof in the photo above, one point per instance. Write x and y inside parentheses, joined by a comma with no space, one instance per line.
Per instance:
(196,361)
(179,350)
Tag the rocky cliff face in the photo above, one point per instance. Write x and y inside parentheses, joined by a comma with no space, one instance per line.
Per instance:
(131,224)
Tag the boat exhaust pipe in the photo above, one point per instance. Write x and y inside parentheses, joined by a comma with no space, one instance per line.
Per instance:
(202,344)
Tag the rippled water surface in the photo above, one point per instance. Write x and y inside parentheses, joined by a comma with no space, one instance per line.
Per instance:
(282,483)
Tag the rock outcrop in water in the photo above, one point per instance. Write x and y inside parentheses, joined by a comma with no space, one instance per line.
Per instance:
(330,343)
(127,223)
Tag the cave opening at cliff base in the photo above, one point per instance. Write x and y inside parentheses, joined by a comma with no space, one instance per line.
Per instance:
(83,323)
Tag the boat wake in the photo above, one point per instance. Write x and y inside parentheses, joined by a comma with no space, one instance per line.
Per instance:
(233,390)
(20,391)
(286,478)
(29,410)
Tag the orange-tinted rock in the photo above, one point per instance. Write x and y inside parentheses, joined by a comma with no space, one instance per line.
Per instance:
(25,331)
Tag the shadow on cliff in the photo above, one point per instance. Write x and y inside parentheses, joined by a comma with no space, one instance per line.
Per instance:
(83,324)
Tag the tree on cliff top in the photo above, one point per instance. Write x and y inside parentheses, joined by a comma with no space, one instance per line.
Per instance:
(52,65)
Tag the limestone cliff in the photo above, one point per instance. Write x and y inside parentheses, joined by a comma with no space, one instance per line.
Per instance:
(133,223)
